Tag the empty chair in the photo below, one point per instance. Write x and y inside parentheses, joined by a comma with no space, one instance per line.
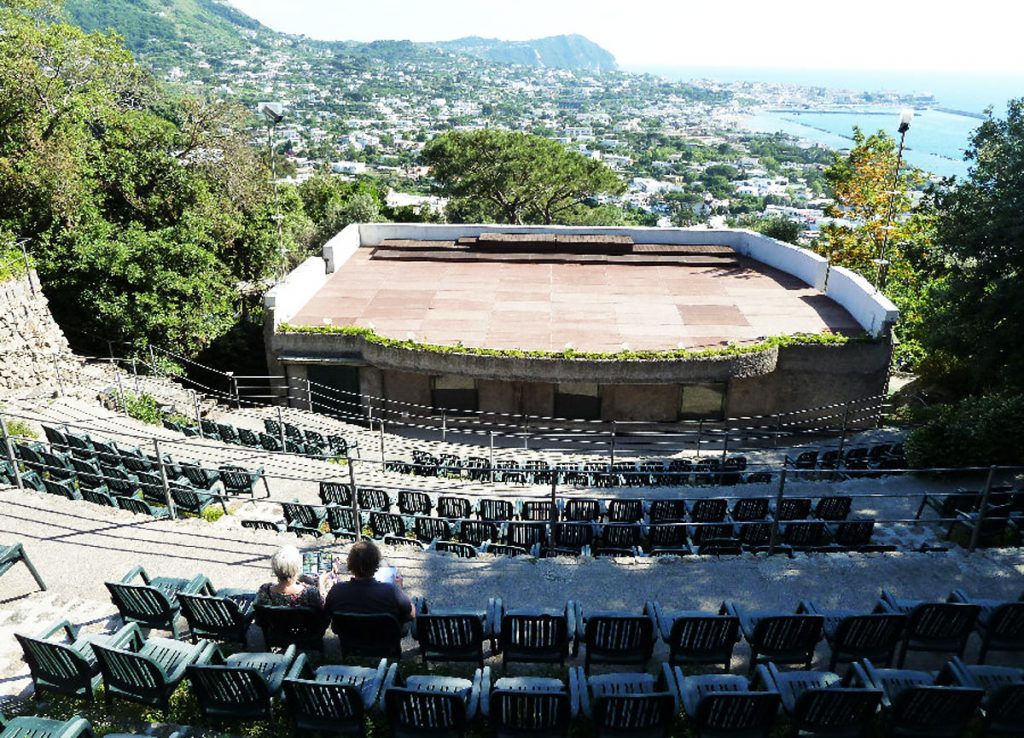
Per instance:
(669,539)
(619,539)
(704,532)
(821,703)
(695,637)
(477,532)
(228,434)
(804,535)
(947,506)
(371,498)
(431,706)
(190,500)
(618,638)
(450,635)
(836,507)
(921,703)
(724,705)
(853,635)
(342,522)
(1003,703)
(629,705)
(150,671)
(88,475)
(932,626)
(749,509)
(1000,623)
(242,686)
(855,458)
(304,519)
(462,550)
(625,511)
(500,510)
(283,626)
(536,635)
(248,437)
(581,509)
(522,706)
(68,667)
(667,511)
(62,488)
(58,466)
(238,480)
(453,507)
(120,483)
(315,442)
(218,618)
(778,637)
(996,528)
(537,510)
(432,529)
(386,524)
(708,510)
(570,539)
(754,536)
(37,727)
(142,507)
(202,477)
(80,444)
(210,430)
(855,535)
(15,553)
(335,493)
(153,602)
(804,460)
(56,436)
(414,503)
(334,699)
(530,536)
(792,508)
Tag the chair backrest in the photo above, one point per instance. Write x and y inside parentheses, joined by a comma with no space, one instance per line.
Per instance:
(736,713)
(709,510)
(527,534)
(943,711)
(385,524)
(787,637)
(57,464)
(582,509)
(376,635)
(135,505)
(414,503)
(55,436)
(572,535)
(237,478)
(942,620)
(209,429)
(804,533)
(835,507)
(634,714)
(415,712)
(187,498)
(282,626)
(196,474)
(88,473)
(335,493)
(619,638)
(872,635)
(1006,623)
(755,534)
(453,507)
(534,637)
(536,510)
(248,438)
(56,666)
(429,528)
(835,709)
(61,488)
(1004,710)
(371,498)
(793,508)
(491,509)
(621,535)
(668,535)
(341,519)
(230,691)
(478,531)
(462,550)
(704,532)
(140,603)
(324,706)
(668,511)
(213,617)
(854,532)
(806,460)
(750,508)
(227,433)
(625,511)
(306,516)
(97,496)
(702,639)
(520,712)
(131,673)
(450,637)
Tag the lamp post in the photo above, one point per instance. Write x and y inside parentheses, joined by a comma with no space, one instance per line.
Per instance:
(274,114)
(906,116)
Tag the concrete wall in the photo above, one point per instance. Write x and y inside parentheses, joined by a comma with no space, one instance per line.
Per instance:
(341,248)
(869,307)
(33,350)
(658,402)
(408,387)
(288,296)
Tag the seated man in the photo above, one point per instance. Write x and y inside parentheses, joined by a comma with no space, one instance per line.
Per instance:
(364,594)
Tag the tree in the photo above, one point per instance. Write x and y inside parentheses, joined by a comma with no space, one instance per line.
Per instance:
(516,178)
(780,228)
(973,316)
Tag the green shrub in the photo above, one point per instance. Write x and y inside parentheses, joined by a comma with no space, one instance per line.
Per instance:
(976,431)
(20,429)
(143,407)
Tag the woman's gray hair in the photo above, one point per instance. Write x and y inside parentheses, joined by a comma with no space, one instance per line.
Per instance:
(286,563)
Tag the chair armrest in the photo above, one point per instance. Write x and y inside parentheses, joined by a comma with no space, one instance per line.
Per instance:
(299,665)
(75,727)
(129,635)
(579,699)
(764,677)
(70,630)
(667,681)
(289,654)
(135,572)
(389,680)
(808,607)
(204,652)
(474,695)
(958,595)
(864,674)
(200,584)
(652,609)
(485,692)
(573,615)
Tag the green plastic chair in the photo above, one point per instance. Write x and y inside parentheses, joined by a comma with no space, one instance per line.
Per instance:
(69,667)
(242,687)
(141,507)
(225,617)
(335,699)
(37,727)
(149,674)
(153,603)
(193,501)
(241,481)
(11,555)
(62,488)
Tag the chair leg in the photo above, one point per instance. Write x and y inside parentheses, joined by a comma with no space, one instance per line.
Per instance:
(32,569)
(924,501)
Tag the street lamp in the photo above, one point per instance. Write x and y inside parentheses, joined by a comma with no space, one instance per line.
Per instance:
(273,113)
(882,264)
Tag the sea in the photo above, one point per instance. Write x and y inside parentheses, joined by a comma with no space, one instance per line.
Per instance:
(938,136)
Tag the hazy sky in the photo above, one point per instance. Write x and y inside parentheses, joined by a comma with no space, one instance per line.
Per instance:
(981,35)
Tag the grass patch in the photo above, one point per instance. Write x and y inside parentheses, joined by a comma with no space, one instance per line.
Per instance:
(20,429)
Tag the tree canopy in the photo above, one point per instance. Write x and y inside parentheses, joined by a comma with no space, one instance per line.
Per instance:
(515,178)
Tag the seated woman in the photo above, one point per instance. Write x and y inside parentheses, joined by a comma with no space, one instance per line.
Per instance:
(291,589)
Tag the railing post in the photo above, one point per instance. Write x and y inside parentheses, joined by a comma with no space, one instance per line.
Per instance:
(355,499)
(382,445)
(725,445)
(233,390)
(982,509)
(309,395)
(778,505)
(554,501)
(842,435)
(490,454)
(611,448)
(700,432)
(280,428)
(444,425)
(778,430)
(135,376)
(526,431)
(163,479)
(120,390)
(198,411)
(28,267)
(9,449)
